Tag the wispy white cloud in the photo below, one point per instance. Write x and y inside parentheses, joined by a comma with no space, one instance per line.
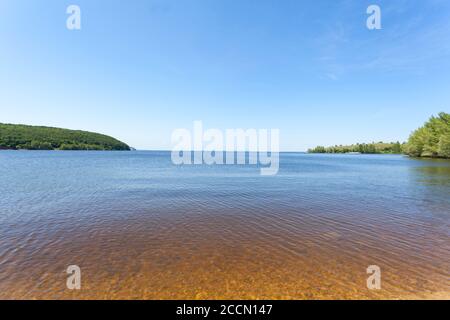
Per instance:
(408,42)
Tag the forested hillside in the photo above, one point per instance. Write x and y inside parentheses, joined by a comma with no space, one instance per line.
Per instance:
(14,136)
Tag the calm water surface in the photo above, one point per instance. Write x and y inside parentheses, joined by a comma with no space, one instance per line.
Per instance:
(140,227)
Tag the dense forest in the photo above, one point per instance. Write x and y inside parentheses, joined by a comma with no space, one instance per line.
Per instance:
(430,140)
(371,148)
(15,137)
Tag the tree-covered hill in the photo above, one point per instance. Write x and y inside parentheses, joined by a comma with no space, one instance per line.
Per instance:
(432,139)
(13,136)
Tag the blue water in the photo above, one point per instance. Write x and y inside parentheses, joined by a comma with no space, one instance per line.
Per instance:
(386,209)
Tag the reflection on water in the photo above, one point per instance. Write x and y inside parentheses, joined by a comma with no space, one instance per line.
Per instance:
(142,228)
(434,172)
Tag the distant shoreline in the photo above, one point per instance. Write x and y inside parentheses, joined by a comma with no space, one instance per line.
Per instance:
(432,140)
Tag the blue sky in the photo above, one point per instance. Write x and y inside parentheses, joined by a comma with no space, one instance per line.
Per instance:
(139,69)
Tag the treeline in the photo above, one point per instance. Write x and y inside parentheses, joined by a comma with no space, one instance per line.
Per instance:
(16,137)
(366,148)
(432,139)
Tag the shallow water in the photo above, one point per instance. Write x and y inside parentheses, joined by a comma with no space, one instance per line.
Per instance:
(140,227)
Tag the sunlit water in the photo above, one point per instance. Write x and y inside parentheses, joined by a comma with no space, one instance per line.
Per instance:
(140,227)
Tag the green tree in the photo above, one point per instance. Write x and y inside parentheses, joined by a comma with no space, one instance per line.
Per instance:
(430,140)
(444,146)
